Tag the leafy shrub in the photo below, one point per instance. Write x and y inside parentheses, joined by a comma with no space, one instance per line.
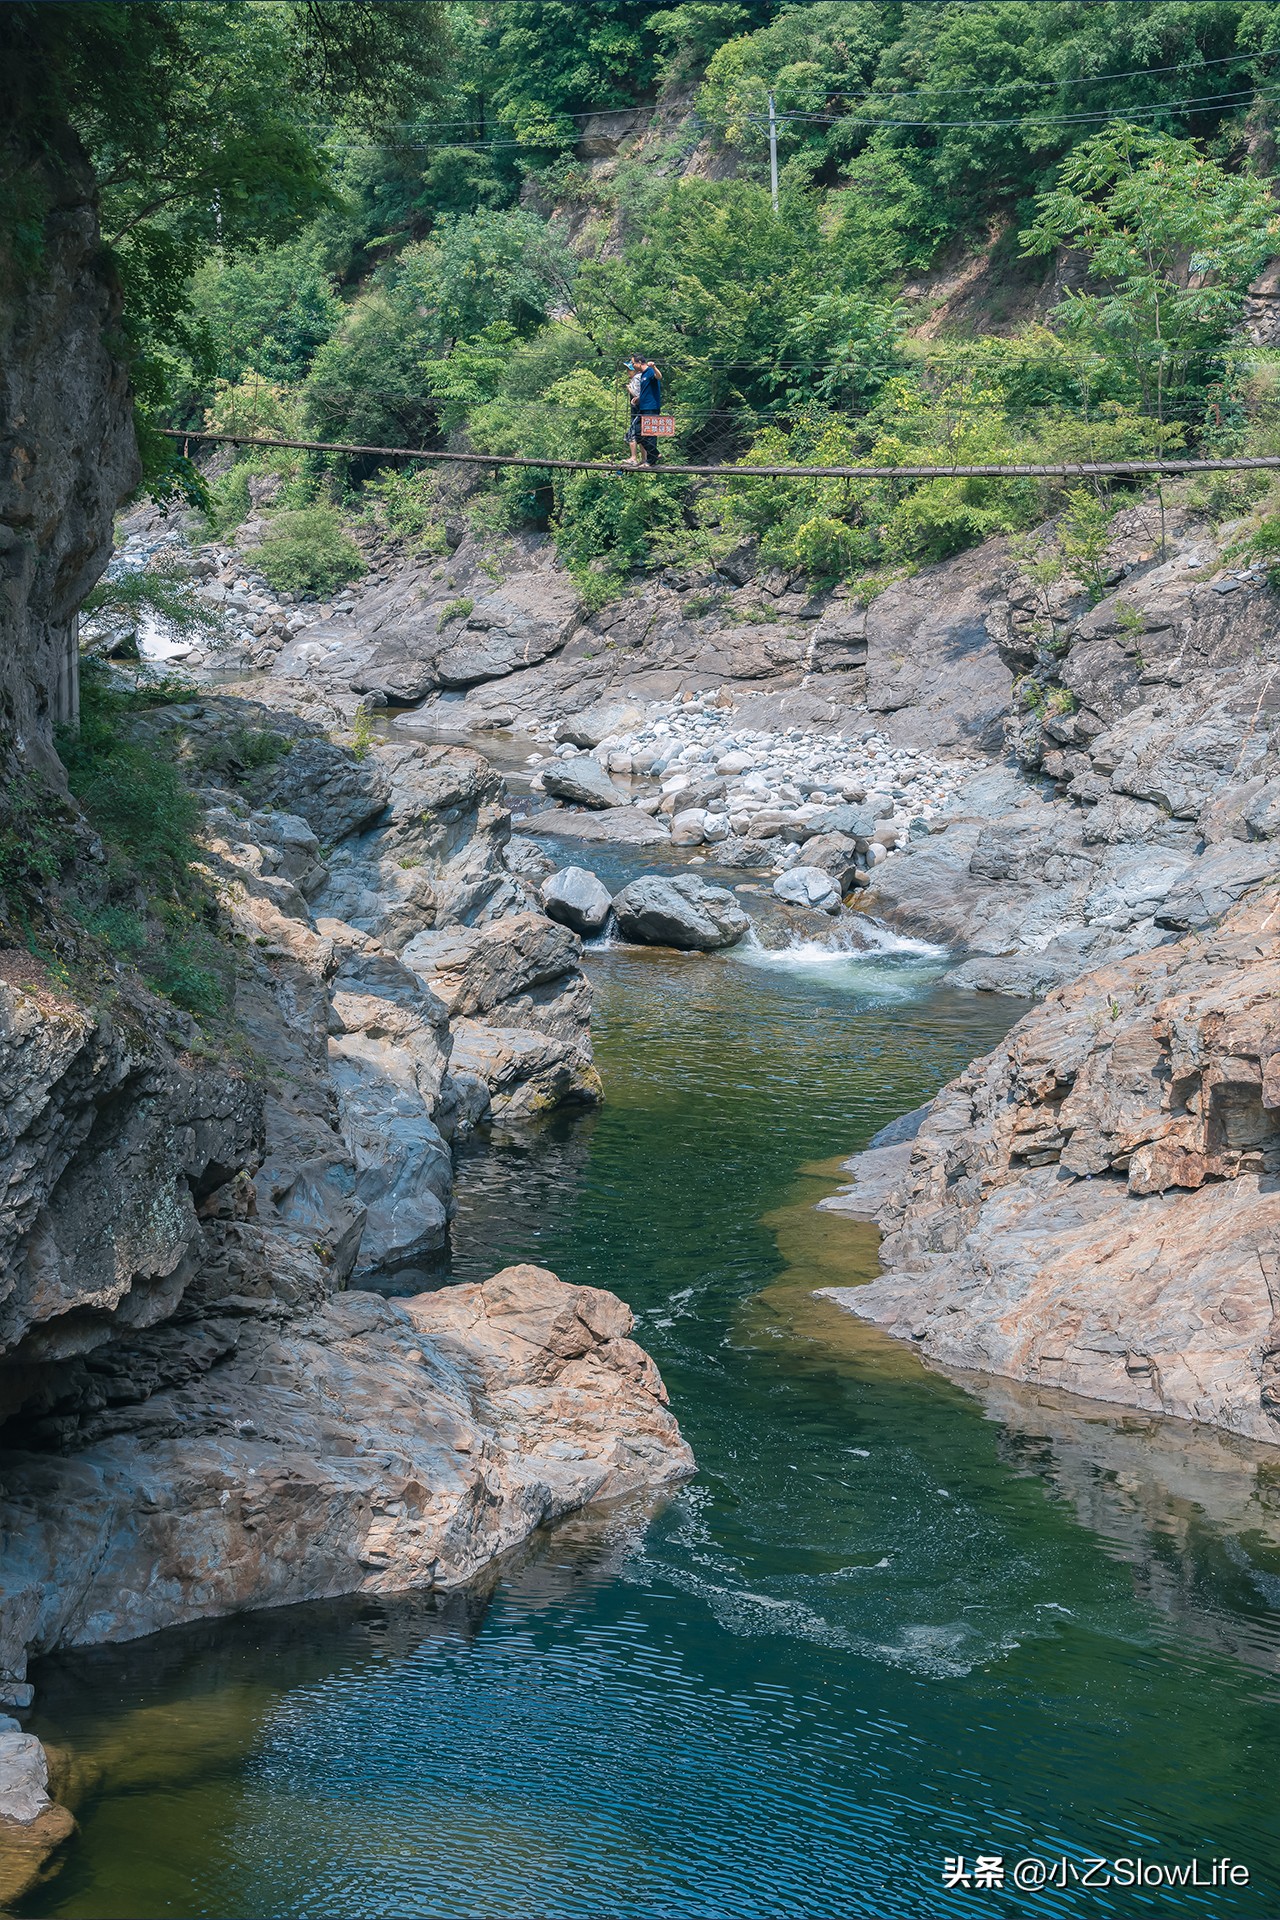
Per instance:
(123,931)
(194,973)
(133,797)
(1264,544)
(456,610)
(233,756)
(168,593)
(154,906)
(35,837)
(308,551)
(825,546)
(406,502)
(362,733)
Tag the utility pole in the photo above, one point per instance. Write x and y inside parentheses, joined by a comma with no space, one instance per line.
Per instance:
(773,153)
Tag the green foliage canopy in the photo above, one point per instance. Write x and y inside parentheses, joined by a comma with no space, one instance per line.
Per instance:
(1174,239)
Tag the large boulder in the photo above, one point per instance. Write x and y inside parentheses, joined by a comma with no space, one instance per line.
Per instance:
(335,793)
(475,970)
(808,887)
(401,667)
(834,853)
(519,624)
(681,911)
(858,823)
(577,899)
(597,722)
(584,781)
(526,1071)
(373,1446)
(621,826)
(689,827)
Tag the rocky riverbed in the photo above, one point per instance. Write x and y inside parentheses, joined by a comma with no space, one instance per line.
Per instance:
(1071,786)
(1093,821)
(1043,779)
(206,1404)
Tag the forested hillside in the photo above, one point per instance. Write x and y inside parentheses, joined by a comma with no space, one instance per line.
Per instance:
(1006,231)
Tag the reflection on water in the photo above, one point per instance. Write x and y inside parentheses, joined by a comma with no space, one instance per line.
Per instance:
(1194,1513)
(897,1616)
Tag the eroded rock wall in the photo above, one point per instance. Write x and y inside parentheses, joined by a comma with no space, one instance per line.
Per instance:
(1096,1204)
(67,450)
(368,1446)
(179,1221)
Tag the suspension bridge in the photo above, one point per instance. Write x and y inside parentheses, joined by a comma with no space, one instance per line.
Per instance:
(1171,467)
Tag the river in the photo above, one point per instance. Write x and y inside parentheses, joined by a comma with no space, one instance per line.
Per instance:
(895,1618)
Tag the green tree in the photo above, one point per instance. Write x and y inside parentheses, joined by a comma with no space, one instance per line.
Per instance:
(200,126)
(726,298)
(368,382)
(481,281)
(268,310)
(1173,239)
(485,267)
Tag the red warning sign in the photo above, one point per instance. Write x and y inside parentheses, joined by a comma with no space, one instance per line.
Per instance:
(657,426)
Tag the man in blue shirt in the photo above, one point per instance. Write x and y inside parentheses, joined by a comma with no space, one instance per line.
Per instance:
(644,385)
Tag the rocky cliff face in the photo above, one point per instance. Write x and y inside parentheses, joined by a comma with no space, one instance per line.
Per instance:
(67,449)
(202,1408)
(198,1411)
(156,1197)
(1096,1204)
(493,636)
(1145,751)
(1111,750)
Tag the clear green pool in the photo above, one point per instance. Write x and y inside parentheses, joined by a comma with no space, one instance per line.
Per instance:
(895,1618)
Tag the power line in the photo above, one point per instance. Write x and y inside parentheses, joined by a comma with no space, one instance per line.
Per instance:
(1204,101)
(1041,470)
(1101,116)
(873,92)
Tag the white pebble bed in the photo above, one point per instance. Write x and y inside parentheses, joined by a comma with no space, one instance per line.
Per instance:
(798,774)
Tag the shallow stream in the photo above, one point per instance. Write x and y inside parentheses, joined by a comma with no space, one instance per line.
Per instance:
(895,1617)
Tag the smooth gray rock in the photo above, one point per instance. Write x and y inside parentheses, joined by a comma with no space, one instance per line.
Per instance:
(859,823)
(597,722)
(808,887)
(689,827)
(934,674)
(24,1775)
(615,826)
(519,624)
(682,911)
(576,898)
(899,1131)
(1026,976)
(527,858)
(1215,882)
(402,666)
(1262,814)
(834,853)
(584,781)
(403,1168)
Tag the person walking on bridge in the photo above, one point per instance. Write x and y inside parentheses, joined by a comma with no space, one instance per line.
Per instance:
(644,389)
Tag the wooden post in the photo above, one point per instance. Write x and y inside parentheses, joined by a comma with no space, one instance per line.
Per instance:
(773,152)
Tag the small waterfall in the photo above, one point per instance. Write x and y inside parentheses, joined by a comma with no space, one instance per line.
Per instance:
(859,955)
(608,939)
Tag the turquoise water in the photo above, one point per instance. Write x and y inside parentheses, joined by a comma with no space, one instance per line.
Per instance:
(895,1617)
